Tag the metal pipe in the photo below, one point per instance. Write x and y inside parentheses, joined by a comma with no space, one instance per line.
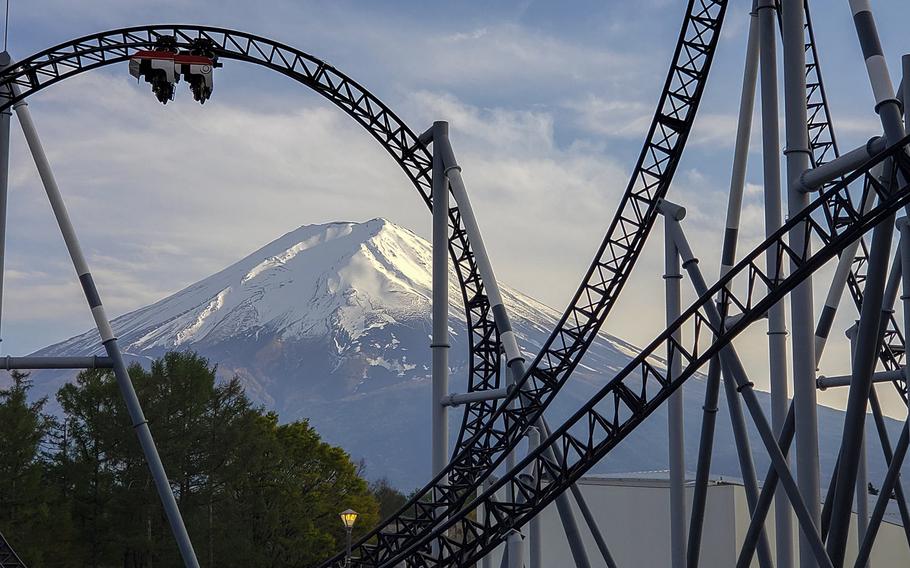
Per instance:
(839,280)
(862,500)
(582,504)
(844,380)
(516,549)
(801,304)
(109,340)
(9,363)
(486,561)
(728,259)
(703,463)
(868,339)
(777,317)
(734,365)
(535,541)
(744,454)
(868,336)
(514,358)
(440,342)
(764,499)
(454,399)
(813,179)
(5,116)
(675,412)
(592,524)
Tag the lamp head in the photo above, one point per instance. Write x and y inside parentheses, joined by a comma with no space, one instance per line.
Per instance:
(348,517)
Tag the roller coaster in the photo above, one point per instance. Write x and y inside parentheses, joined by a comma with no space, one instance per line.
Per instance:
(486,490)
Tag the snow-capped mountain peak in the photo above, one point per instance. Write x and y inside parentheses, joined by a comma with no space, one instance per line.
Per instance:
(309,282)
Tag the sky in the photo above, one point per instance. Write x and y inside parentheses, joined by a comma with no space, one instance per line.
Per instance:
(548,105)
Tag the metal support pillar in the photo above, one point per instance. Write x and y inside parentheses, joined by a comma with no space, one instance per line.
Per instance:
(731,360)
(440,345)
(868,338)
(798,161)
(839,280)
(895,461)
(862,500)
(777,319)
(868,334)
(514,357)
(487,561)
(535,538)
(728,259)
(764,499)
(675,413)
(5,116)
(891,482)
(586,513)
(140,425)
(515,548)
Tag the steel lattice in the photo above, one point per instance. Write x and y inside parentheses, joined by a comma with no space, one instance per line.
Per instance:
(644,384)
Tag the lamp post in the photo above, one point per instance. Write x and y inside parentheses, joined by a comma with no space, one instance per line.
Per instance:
(348,517)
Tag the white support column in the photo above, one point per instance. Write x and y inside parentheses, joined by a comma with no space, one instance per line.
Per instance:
(108,339)
(440,341)
(801,305)
(675,410)
(515,548)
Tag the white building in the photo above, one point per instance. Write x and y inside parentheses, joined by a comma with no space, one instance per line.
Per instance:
(633,512)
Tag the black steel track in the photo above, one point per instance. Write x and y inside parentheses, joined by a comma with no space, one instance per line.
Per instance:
(580,323)
(8,556)
(823,144)
(481,436)
(68,59)
(643,385)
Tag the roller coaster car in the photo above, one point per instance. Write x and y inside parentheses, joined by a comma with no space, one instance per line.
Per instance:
(163,69)
(158,69)
(197,71)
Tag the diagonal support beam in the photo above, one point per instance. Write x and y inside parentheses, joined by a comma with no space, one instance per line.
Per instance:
(515,359)
(108,339)
(731,360)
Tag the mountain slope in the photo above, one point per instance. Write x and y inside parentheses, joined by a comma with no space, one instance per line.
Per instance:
(332,323)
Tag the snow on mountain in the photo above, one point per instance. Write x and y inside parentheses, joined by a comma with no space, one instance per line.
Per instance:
(332,323)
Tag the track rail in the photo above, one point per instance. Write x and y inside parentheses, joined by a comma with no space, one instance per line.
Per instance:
(8,556)
(55,64)
(823,144)
(595,297)
(642,386)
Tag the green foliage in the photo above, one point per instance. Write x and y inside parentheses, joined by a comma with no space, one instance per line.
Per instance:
(24,511)
(253,492)
(391,500)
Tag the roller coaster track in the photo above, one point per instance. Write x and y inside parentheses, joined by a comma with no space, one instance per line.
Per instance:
(580,323)
(68,59)
(488,429)
(8,556)
(642,386)
(823,144)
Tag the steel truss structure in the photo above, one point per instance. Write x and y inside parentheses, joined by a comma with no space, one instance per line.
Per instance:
(461,514)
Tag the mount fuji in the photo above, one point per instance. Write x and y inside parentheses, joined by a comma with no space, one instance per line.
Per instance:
(332,323)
